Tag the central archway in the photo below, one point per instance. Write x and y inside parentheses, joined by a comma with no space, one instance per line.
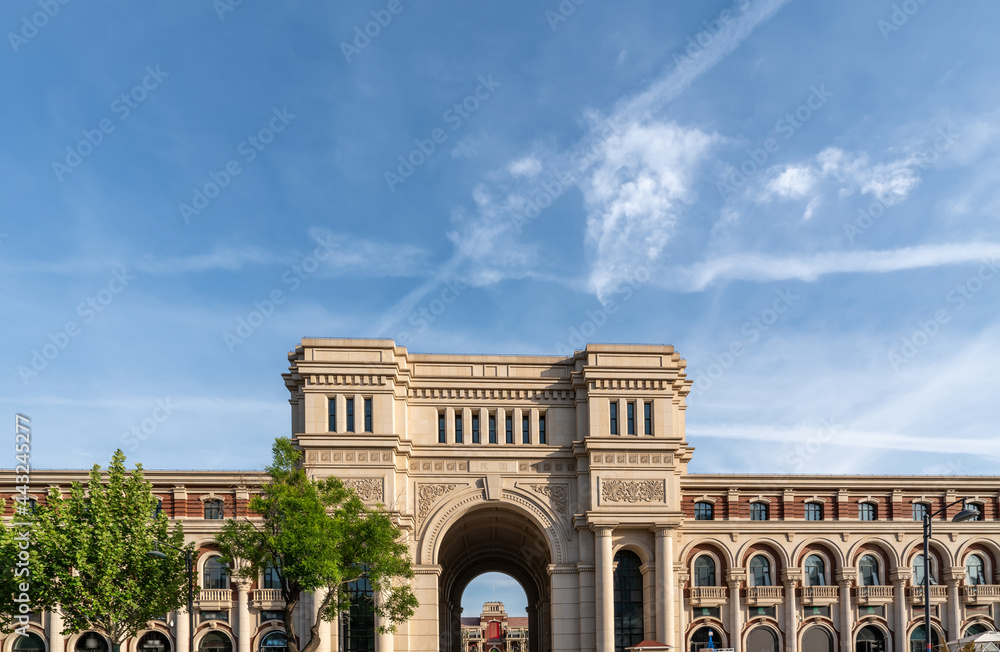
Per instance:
(494,537)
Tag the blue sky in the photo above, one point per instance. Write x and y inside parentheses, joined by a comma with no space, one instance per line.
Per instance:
(802,197)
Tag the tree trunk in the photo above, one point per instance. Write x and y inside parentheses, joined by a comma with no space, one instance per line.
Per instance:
(293,644)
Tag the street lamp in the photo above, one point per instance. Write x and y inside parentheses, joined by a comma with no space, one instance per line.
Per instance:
(158,554)
(965,515)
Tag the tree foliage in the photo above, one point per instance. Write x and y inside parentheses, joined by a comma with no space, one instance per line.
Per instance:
(318,537)
(89,555)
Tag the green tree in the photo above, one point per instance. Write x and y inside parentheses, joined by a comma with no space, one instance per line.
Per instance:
(89,555)
(318,537)
(15,584)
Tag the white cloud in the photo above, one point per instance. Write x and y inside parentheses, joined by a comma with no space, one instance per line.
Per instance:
(765,267)
(635,194)
(351,256)
(528,166)
(796,182)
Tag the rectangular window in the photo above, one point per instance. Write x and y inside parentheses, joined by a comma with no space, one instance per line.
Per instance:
(475,427)
(866,512)
(814,512)
(525,430)
(919,510)
(493,428)
(510,429)
(614,417)
(703,511)
(214,615)
(541,429)
(442,435)
(758,511)
(350,415)
(368,414)
(647,409)
(271,615)
(630,417)
(331,407)
(458,428)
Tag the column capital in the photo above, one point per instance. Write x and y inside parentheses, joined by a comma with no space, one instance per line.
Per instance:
(602,530)
(663,531)
(242,584)
(791,575)
(734,576)
(846,575)
(954,574)
(427,569)
(900,575)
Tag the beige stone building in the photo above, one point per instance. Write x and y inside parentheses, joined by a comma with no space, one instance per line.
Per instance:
(570,474)
(495,631)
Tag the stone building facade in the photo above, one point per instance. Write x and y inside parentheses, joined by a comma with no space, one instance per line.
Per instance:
(570,475)
(495,631)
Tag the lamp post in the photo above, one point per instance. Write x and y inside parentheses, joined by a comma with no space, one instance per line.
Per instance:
(965,515)
(158,554)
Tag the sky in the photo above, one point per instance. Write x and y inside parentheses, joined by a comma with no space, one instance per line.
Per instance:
(801,197)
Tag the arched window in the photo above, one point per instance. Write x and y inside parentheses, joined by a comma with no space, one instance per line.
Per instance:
(815,571)
(274,642)
(213,509)
(153,642)
(919,511)
(869,571)
(814,512)
(628,600)
(974,570)
(704,571)
(976,629)
(867,512)
(762,639)
(870,639)
(703,511)
(358,633)
(216,574)
(918,640)
(817,639)
(30,643)
(760,571)
(705,636)
(215,641)
(758,511)
(918,571)
(91,642)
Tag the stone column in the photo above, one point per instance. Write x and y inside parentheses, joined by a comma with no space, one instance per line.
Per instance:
(565,607)
(846,625)
(585,573)
(605,589)
(242,615)
(181,630)
(791,577)
(665,586)
(899,577)
(682,579)
(56,641)
(649,608)
(424,634)
(953,576)
(734,580)
(534,629)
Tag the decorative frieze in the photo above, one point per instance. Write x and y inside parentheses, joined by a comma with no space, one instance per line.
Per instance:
(352,456)
(361,380)
(490,394)
(369,490)
(428,494)
(633,459)
(633,491)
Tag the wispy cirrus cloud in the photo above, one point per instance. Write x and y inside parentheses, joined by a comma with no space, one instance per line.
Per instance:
(770,267)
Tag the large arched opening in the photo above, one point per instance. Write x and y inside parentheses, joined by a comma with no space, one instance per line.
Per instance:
(494,538)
